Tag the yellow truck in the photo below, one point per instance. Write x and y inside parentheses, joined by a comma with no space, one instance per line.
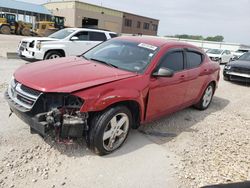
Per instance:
(8,25)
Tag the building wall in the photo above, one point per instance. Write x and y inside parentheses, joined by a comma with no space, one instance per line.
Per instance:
(74,12)
(64,9)
(107,18)
(133,29)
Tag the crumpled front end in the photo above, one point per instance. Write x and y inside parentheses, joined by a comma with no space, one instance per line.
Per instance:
(48,114)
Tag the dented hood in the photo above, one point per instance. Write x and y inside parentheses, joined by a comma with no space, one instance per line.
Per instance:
(68,74)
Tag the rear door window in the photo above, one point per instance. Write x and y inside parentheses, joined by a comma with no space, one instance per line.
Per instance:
(194,59)
(97,36)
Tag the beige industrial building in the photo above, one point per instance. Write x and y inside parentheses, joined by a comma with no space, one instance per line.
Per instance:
(80,14)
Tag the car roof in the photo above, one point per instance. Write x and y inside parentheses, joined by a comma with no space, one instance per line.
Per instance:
(156,41)
(87,29)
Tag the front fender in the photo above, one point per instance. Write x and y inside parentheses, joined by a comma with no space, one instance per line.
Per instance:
(101,101)
(47,47)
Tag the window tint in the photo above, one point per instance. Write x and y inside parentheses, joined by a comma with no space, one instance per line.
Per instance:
(84,35)
(173,61)
(97,36)
(194,59)
(112,35)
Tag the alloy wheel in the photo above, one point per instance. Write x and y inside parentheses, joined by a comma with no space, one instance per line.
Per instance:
(207,96)
(116,132)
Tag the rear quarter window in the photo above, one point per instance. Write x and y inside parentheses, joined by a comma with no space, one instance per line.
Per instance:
(194,59)
(112,35)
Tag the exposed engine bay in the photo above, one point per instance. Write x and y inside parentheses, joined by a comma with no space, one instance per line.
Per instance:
(61,115)
(48,114)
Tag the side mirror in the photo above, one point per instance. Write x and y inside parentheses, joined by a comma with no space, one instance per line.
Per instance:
(163,72)
(74,38)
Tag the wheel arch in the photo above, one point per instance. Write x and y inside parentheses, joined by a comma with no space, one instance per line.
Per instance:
(1,25)
(57,50)
(134,107)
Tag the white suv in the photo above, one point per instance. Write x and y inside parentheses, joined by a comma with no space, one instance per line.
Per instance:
(66,42)
(219,55)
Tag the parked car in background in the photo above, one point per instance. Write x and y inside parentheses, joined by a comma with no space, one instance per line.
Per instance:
(118,85)
(219,55)
(238,70)
(238,53)
(65,42)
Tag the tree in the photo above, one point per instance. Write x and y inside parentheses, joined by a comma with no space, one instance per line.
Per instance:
(217,38)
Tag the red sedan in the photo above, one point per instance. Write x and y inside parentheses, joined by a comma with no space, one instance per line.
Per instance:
(118,85)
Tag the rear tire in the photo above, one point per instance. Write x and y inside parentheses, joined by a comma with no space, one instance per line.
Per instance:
(206,98)
(5,30)
(109,130)
(25,32)
(53,55)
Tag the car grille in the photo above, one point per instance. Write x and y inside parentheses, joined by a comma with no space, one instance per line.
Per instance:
(240,70)
(22,96)
(23,46)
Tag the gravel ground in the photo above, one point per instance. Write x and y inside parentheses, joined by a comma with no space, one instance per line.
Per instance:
(187,149)
(9,44)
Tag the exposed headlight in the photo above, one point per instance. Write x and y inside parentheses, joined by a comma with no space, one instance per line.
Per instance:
(227,67)
(39,45)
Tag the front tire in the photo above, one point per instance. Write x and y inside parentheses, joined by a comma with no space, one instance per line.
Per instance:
(25,32)
(5,30)
(206,98)
(109,130)
(53,55)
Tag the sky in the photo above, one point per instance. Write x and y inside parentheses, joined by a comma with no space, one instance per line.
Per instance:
(229,18)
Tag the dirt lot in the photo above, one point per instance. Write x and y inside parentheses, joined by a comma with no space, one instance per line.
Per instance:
(187,149)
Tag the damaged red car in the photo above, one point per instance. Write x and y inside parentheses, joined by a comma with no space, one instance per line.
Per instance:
(116,86)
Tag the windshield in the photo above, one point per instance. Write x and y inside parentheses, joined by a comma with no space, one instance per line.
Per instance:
(214,51)
(130,56)
(61,34)
(245,57)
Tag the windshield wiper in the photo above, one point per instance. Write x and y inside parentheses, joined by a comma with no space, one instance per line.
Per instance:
(104,62)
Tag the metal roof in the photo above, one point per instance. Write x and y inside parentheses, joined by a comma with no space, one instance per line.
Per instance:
(12,4)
